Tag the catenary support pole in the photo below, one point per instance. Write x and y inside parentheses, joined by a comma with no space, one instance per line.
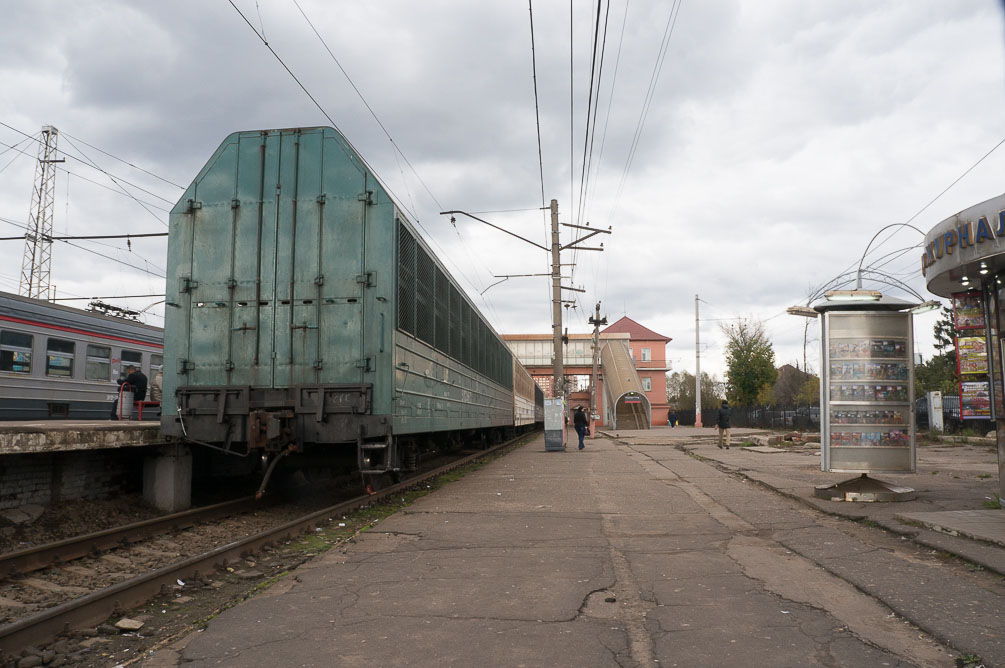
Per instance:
(697,367)
(558,386)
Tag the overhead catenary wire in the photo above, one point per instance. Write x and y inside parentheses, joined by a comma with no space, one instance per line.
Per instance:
(647,102)
(363,99)
(889,236)
(320,108)
(87,162)
(116,182)
(88,250)
(91,181)
(123,161)
(589,107)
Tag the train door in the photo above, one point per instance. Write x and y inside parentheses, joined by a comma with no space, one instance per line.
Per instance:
(342,279)
(378,320)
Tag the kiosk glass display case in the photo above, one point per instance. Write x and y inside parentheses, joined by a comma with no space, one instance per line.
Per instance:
(867,392)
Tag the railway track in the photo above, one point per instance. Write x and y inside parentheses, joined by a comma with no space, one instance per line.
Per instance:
(121,593)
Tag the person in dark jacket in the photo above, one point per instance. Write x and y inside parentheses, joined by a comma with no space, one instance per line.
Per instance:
(137,381)
(723,422)
(580,422)
(672,417)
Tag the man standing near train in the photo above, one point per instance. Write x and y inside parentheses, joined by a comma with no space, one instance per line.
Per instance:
(137,381)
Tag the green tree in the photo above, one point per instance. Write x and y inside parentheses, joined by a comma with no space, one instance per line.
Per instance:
(680,390)
(939,373)
(766,396)
(809,393)
(750,362)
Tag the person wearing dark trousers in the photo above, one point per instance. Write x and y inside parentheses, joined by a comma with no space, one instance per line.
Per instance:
(137,381)
(723,421)
(580,422)
(672,417)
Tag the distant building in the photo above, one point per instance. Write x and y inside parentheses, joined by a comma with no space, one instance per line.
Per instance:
(647,351)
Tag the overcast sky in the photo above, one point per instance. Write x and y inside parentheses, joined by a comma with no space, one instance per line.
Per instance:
(781,135)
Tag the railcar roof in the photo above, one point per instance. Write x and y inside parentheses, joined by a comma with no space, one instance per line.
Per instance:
(17,306)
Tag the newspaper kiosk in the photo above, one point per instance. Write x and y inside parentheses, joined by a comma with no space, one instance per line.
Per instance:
(867,397)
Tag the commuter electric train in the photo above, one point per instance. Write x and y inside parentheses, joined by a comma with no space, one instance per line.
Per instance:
(304,314)
(58,362)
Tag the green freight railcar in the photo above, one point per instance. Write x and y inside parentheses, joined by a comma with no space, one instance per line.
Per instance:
(304,313)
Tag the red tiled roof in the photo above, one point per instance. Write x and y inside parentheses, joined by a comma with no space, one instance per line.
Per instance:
(634,330)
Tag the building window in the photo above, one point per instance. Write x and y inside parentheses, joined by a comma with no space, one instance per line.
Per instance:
(59,358)
(647,355)
(647,384)
(99,363)
(15,352)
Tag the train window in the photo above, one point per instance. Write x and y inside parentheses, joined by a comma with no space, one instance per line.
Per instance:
(99,363)
(59,358)
(132,357)
(156,364)
(15,352)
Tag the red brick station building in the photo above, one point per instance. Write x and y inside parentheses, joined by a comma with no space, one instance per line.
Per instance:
(631,388)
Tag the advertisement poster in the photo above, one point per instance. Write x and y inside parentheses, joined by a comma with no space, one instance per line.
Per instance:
(972,354)
(968,310)
(975,400)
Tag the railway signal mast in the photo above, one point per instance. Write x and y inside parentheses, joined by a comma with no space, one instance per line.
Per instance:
(36,267)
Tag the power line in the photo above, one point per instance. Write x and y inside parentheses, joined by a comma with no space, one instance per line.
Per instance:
(589,106)
(363,99)
(537,106)
(94,236)
(107,257)
(922,209)
(610,100)
(125,162)
(93,165)
(647,102)
(115,181)
(100,185)
(317,104)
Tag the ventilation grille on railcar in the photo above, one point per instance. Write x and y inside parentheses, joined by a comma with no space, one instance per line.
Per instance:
(406,281)
(433,310)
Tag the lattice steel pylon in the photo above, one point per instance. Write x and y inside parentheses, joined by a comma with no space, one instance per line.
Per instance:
(36,267)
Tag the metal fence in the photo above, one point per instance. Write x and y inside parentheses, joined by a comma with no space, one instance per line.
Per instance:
(951,421)
(797,418)
(807,418)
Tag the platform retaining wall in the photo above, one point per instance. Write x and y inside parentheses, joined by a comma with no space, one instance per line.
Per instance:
(55,477)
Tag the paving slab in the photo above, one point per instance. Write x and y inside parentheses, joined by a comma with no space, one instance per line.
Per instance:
(986,525)
(625,554)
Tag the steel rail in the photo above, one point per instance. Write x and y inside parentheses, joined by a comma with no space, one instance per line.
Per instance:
(44,556)
(98,606)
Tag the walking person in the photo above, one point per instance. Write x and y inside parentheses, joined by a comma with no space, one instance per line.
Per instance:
(672,417)
(580,422)
(723,422)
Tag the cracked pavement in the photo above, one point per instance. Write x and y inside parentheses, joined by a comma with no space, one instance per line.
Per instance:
(619,556)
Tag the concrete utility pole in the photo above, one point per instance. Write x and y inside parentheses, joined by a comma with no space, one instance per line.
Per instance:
(596,321)
(556,278)
(558,382)
(697,367)
(36,267)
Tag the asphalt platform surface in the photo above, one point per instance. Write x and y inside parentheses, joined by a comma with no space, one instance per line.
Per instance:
(650,548)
